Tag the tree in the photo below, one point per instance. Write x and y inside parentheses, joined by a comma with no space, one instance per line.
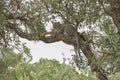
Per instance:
(27,19)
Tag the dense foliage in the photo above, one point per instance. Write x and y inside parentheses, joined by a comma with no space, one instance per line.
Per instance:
(16,67)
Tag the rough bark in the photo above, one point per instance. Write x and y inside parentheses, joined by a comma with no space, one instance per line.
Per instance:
(49,39)
(115,9)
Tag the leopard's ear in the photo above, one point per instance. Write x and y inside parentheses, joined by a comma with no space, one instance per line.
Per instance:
(56,24)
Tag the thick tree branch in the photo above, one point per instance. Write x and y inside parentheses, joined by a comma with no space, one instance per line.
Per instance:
(31,36)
